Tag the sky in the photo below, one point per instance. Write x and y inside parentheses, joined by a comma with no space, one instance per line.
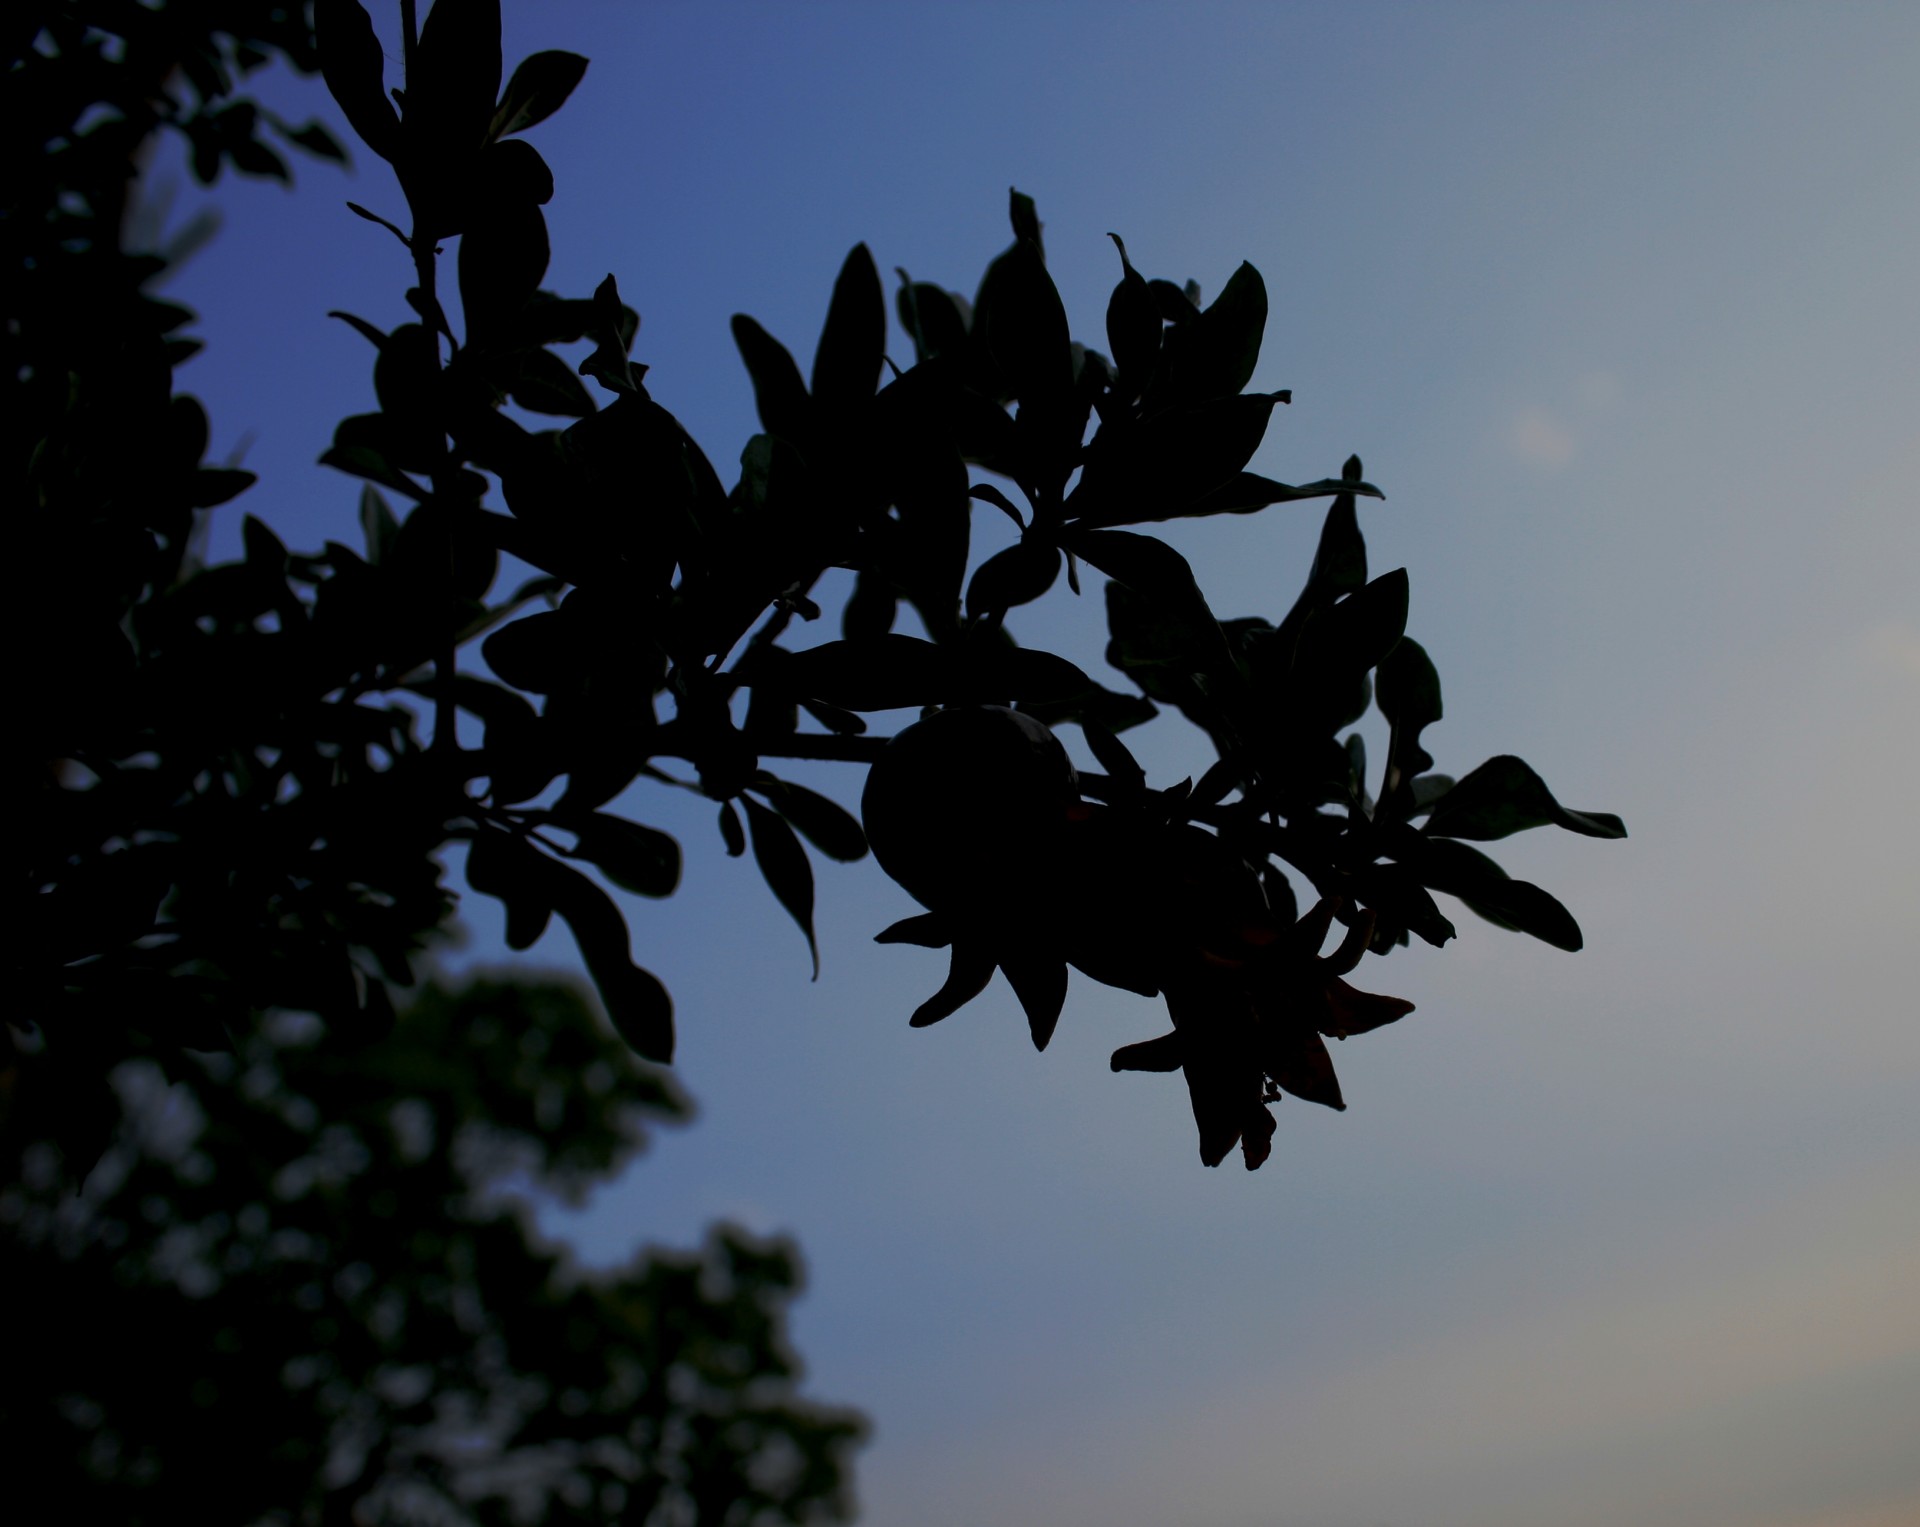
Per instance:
(1618,305)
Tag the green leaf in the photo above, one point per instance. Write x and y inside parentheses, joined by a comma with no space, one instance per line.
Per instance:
(505,866)
(1018,575)
(846,366)
(783,863)
(1025,217)
(969,969)
(1039,980)
(636,858)
(1249,492)
(732,834)
(1407,690)
(546,385)
(354,66)
(503,256)
(213,486)
(1344,640)
(935,319)
(1505,796)
(1215,356)
(928,930)
(895,671)
(1104,707)
(1113,756)
(778,393)
(539,88)
(1340,560)
(824,823)
(455,81)
(612,330)
(1133,325)
(539,653)
(1184,632)
(1400,899)
(1519,905)
(636,1002)
(1168,462)
(1024,326)
(377,524)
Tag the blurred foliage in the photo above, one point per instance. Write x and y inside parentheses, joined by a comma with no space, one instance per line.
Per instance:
(303,1286)
(245,775)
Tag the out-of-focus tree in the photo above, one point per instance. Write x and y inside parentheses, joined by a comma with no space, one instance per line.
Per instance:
(304,1286)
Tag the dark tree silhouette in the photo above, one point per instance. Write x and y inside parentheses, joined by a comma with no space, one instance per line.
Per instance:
(303,1287)
(242,777)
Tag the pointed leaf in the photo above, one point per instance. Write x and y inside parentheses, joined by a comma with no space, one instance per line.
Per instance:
(1504,796)
(636,1002)
(783,863)
(539,88)
(968,972)
(846,366)
(928,930)
(636,858)
(1018,575)
(732,834)
(508,868)
(824,823)
(353,64)
(778,393)
(1040,982)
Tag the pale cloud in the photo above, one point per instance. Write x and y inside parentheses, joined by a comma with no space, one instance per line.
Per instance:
(1894,644)
(1598,390)
(1538,438)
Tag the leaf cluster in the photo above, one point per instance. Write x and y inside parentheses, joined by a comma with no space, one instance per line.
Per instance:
(248,774)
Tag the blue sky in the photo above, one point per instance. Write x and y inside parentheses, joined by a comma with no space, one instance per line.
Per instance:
(1618,305)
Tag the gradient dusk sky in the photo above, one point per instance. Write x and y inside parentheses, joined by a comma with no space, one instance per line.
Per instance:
(1620,304)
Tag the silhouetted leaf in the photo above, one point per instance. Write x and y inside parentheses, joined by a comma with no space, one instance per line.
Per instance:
(1215,356)
(1162,466)
(846,366)
(1504,796)
(1133,324)
(935,319)
(1040,982)
(1112,755)
(377,524)
(1167,1053)
(546,385)
(539,88)
(824,823)
(783,862)
(454,83)
(928,930)
(778,393)
(503,257)
(1247,492)
(213,486)
(1407,689)
(1445,865)
(968,971)
(353,64)
(640,859)
(1020,574)
(635,1001)
(1024,326)
(505,866)
(732,834)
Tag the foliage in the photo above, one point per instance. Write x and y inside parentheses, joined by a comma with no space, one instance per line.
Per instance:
(236,806)
(303,1287)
